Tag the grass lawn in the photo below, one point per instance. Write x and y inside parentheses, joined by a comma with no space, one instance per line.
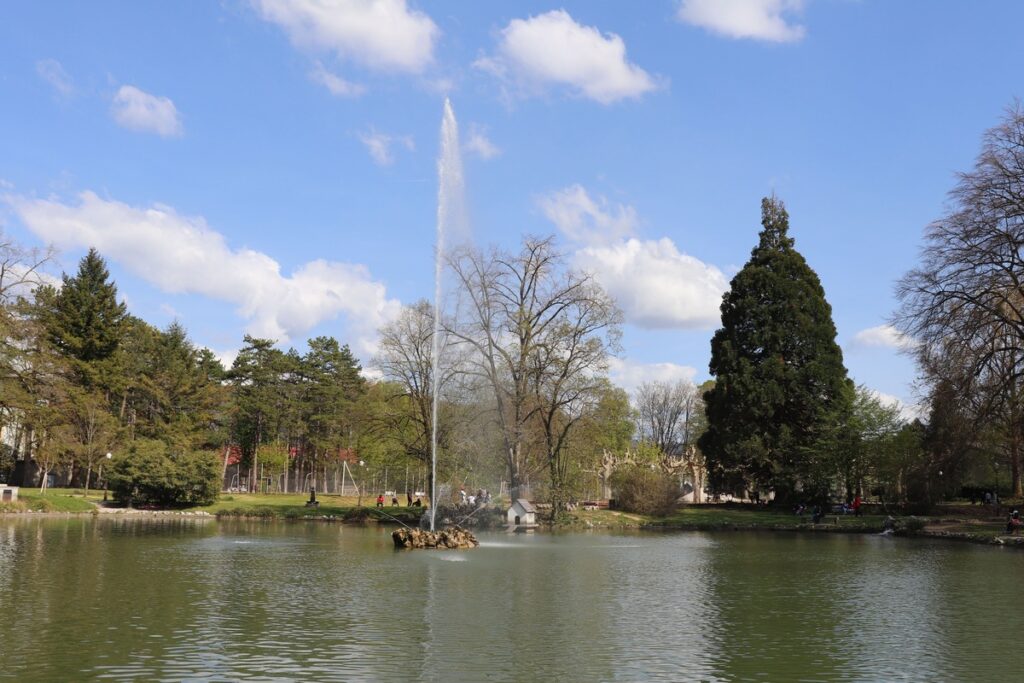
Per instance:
(722,517)
(55,500)
(293,506)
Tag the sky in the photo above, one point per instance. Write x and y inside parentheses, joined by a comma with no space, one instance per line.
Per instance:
(269,166)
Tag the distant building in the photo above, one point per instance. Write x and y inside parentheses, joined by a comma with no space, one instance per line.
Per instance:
(8,494)
(522,513)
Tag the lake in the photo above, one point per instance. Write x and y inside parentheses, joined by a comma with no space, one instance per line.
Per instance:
(127,599)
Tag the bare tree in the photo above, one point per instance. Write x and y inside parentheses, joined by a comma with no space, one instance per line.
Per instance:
(404,359)
(964,304)
(667,414)
(539,336)
(21,269)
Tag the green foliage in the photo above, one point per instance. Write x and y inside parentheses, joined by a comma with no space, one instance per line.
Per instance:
(87,319)
(781,394)
(150,473)
(645,490)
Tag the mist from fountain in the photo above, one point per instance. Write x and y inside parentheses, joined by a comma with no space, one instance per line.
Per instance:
(450,216)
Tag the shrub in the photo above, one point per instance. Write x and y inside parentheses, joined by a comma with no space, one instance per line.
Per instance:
(645,491)
(911,525)
(151,474)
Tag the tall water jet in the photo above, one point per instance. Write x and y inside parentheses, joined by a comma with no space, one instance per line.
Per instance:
(450,214)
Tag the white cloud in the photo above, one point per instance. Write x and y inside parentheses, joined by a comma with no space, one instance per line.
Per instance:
(226,356)
(379,145)
(552,49)
(884,336)
(51,71)
(584,219)
(908,411)
(337,85)
(181,254)
(769,20)
(478,143)
(170,311)
(138,110)
(630,374)
(380,34)
(656,285)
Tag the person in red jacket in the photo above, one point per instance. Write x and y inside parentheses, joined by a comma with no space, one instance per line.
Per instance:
(856,506)
(380,500)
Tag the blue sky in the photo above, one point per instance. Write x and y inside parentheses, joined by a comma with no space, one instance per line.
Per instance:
(269,166)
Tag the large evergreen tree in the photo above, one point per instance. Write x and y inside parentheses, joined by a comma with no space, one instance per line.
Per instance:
(781,395)
(87,321)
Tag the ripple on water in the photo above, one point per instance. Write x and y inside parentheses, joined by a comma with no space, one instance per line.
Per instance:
(332,603)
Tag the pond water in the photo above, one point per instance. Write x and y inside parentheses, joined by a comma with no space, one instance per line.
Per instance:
(204,600)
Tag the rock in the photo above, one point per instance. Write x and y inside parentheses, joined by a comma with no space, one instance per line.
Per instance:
(450,538)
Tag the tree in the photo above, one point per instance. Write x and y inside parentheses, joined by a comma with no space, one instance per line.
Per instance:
(151,472)
(405,359)
(538,335)
(87,320)
(781,392)
(259,396)
(668,414)
(91,430)
(964,304)
(871,430)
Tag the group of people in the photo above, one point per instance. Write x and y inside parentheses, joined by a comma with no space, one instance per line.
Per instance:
(481,497)
(817,512)
(394,500)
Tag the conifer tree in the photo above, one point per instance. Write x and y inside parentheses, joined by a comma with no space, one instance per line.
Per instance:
(781,395)
(87,321)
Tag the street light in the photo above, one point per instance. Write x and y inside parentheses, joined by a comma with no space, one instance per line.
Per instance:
(109,456)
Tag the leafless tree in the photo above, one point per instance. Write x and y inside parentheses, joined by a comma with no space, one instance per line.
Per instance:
(539,336)
(667,414)
(964,304)
(404,359)
(21,269)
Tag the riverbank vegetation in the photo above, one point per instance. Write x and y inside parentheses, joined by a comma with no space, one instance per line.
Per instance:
(90,394)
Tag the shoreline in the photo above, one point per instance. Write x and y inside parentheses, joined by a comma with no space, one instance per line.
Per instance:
(364,516)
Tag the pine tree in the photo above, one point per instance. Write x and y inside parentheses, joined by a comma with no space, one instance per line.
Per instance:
(781,395)
(87,321)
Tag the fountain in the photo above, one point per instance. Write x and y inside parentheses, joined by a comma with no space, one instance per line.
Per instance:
(450,190)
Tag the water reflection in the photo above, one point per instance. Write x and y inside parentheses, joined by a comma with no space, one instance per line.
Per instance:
(177,599)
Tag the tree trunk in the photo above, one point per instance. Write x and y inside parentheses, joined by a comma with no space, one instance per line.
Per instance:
(88,476)
(224,472)
(1015,432)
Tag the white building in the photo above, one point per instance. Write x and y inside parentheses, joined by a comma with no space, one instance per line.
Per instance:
(522,513)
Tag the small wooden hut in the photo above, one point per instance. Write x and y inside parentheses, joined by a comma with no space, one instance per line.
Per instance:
(522,514)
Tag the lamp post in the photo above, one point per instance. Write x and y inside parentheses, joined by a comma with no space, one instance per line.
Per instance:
(109,456)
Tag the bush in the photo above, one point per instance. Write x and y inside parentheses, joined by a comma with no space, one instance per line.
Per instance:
(910,525)
(645,491)
(150,474)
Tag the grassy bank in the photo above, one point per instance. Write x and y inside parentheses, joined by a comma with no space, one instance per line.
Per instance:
(956,521)
(720,517)
(53,500)
(293,506)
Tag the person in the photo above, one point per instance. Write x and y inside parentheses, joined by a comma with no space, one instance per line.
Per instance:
(408,498)
(380,500)
(394,501)
(856,505)
(418,503)
(1013,522)
(472,501)
(816,514)
(462,494)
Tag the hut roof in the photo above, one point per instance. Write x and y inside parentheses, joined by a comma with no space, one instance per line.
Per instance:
(526,505)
